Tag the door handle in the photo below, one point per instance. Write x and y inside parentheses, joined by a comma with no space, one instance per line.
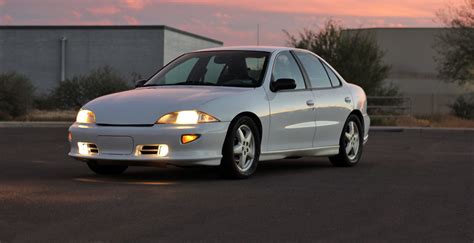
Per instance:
(347,100)
(310,102)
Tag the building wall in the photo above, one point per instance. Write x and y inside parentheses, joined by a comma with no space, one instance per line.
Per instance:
(175,45)
(411,54)
(36,51)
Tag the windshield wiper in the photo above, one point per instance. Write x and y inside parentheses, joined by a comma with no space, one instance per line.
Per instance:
(183,83)
(180,83)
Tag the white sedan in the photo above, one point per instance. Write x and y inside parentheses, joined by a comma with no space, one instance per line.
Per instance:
(229,107)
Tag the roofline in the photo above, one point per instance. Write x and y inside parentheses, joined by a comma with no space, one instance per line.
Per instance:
(156,27)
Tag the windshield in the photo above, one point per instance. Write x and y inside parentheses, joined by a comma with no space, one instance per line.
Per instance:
(218,68)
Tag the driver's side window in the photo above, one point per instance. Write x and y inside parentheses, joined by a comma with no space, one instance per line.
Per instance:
(286,67)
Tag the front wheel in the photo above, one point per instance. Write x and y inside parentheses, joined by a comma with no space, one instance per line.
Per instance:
(106,169)
(350,143)
(241,149)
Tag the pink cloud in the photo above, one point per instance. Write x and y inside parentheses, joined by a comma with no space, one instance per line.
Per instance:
(399,8)
(131,20)
(105,10)
(2,2)
(77,14)
(6,19)
(236,37)
(135,4)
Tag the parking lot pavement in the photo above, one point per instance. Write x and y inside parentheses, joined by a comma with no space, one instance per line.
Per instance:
(411,186)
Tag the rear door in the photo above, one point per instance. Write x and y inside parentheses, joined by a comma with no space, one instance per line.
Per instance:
(292,124)
(332,100)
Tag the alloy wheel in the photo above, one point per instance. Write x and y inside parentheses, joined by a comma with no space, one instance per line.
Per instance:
(352,140)
(244,148)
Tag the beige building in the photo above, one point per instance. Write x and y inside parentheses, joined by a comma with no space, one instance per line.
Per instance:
(411,54)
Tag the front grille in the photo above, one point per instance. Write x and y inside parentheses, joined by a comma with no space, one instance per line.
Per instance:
(149,150)
(159,150)
(93,148)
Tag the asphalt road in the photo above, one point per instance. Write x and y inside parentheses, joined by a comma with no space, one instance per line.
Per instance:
(410,186)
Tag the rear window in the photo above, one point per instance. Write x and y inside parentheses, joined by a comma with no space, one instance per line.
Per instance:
(315,70)
(334,79)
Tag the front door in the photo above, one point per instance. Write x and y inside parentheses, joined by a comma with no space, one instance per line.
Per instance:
(292,116)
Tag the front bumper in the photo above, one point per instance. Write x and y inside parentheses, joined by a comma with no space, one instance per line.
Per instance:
(207,150)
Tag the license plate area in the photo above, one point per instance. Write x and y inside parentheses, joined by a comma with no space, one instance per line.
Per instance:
(116,145)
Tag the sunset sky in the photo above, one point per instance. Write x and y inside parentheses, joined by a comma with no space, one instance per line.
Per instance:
(233,22)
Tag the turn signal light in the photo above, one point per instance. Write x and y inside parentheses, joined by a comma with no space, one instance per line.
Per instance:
(187,138)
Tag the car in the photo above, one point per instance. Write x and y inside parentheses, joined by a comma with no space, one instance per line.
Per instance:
(230,107)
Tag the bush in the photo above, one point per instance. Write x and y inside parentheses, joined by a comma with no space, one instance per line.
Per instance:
(464,106)
(353,53)
(74,93)
(16,95)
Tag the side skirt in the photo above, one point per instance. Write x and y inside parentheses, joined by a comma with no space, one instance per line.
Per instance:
(310,152)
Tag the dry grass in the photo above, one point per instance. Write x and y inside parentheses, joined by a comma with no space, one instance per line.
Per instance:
(424,121)
(54,115)
(402,121)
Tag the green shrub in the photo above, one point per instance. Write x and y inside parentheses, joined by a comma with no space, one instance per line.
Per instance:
(355,54)
(75,92)
(464,106)
(16,95)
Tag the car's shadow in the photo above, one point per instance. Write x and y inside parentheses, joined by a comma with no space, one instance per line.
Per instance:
(174,175)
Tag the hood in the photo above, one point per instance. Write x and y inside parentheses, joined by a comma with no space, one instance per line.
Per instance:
(144,106)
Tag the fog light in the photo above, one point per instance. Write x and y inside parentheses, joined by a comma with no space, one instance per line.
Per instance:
(87,148)
(187,138)
(83,148)
(163,150)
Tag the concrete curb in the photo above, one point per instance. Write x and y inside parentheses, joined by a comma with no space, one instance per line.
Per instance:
(34,124)
(415,129)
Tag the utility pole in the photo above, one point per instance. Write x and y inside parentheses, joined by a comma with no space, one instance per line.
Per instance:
(258,34)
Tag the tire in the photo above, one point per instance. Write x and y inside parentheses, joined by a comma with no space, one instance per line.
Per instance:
(106,169)
(350,143)
(241,149)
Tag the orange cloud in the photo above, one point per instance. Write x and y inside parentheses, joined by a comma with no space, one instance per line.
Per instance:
(135,4)
(131,20)
(6,19)
(105,10)
(360,8)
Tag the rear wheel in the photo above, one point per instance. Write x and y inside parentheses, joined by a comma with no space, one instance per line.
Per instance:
(106,169)
(350,143)
(241,149)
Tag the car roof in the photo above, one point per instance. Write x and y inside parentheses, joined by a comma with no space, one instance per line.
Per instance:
(249,48)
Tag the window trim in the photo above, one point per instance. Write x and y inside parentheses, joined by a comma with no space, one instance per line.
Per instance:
(325,66)
(306,88)
(322,63)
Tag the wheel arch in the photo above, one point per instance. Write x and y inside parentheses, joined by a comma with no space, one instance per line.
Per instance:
(358,113)
(254,118)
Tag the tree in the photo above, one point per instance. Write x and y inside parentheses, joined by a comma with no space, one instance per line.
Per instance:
(75,92)
(354,54)
(456,46)
(16,92)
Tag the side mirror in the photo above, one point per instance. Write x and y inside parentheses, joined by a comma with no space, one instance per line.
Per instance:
(282,84)
(140,83)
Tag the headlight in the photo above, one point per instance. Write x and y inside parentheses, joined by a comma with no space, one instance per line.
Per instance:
(85,116)
(186,117)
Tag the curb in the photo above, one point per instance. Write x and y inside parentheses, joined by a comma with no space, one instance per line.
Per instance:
(417,129)
(34,124)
